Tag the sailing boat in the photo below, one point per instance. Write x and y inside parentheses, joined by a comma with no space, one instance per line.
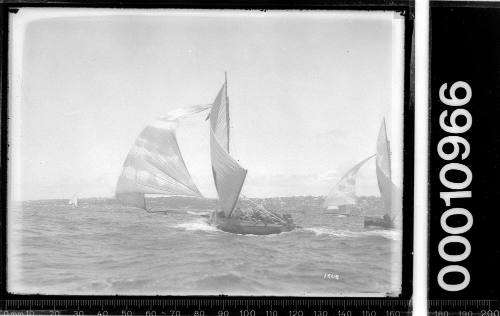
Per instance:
(386,187)
(154,164)
(341,200)
(74,200)
(229,176)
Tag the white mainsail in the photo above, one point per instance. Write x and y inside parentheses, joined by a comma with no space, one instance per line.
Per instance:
(154,164)
(383,167)
(344,192)
(228,175)
(74,200)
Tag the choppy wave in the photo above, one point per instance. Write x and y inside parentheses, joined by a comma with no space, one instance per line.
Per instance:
(111,249)
(199,213)
(388,234)
(197,225)
(229,281)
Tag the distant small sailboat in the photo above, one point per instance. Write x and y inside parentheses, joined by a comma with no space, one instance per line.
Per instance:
(342,198)
(154,164)
(74,200)
(229,176)
(385,184)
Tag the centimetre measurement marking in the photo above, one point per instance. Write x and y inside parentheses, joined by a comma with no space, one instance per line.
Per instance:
(207,307)
(244,307)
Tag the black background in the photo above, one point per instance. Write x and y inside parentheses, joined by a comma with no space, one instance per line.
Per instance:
(465,46)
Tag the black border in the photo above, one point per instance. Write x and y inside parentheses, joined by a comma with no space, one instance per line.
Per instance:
(437,298)
(405,7)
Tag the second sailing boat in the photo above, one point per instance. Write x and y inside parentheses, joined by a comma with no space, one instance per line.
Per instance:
(342,198)
(387,188)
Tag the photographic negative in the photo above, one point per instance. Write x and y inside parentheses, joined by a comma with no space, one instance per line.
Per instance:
(206,152)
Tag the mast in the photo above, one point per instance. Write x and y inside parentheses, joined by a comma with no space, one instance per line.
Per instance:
(228,141)
(388,148)
(227,111)
(228,175)
(383,167)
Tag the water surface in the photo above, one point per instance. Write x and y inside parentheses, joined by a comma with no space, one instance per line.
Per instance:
(102,247)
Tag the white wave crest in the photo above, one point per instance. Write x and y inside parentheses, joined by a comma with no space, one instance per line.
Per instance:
(326,231)
(198,224)
(388,234)
(199,213)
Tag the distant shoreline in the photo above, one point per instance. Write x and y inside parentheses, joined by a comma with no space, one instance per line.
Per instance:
(190,198)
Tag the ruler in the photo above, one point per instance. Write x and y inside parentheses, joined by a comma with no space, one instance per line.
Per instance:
(208,306)
(464,307)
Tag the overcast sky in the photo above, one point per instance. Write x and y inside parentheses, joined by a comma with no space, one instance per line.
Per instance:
(308,92)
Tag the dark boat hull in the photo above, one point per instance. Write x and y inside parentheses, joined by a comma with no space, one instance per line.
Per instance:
(378,222)
(250,228)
